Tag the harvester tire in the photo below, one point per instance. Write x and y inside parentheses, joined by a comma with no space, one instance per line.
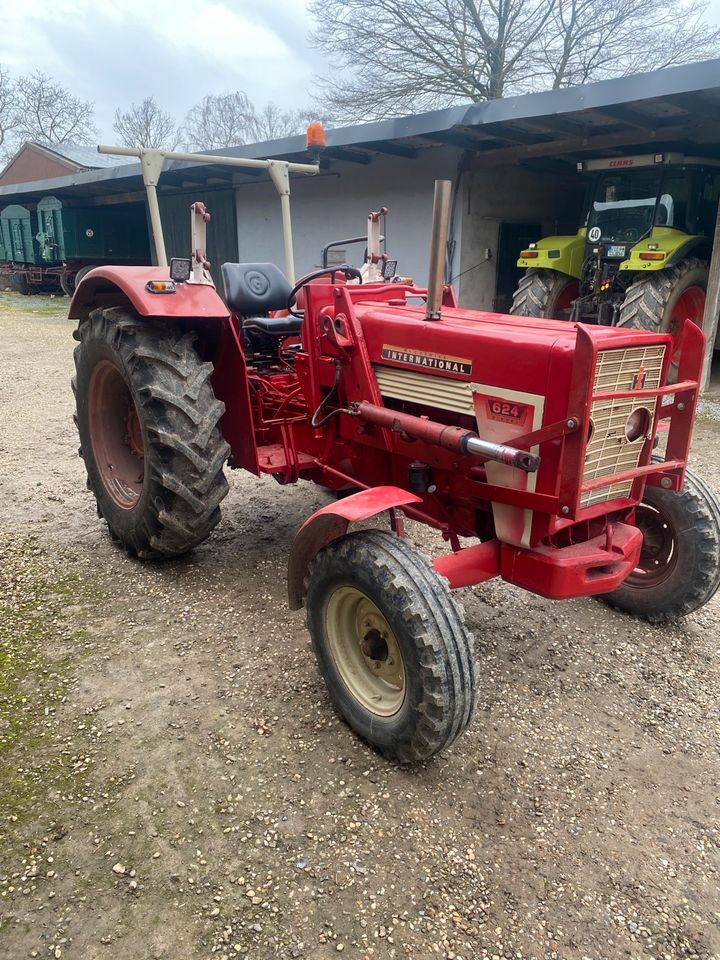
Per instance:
(149,432)
(544,293)
(391,645)
(679,567)
(650,302)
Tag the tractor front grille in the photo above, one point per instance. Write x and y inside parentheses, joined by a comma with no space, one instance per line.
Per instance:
(428,391)
(608,450)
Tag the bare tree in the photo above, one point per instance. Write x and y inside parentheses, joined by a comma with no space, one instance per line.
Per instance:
(219,120)
(146,125)
(591,41)
(396,56)
(9,118)
(48,112)
(273,123)
(391,57)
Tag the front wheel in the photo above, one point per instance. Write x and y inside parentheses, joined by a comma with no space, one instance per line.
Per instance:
(679,566)
(391,645)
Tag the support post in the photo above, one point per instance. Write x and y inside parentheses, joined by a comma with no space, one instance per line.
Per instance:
(152,161)
(712,305)
(279,174)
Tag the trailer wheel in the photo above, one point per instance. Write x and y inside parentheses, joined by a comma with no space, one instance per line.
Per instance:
(679,566)
(19,283)
(545,293)
(149,432)
(660,302)
(391,645)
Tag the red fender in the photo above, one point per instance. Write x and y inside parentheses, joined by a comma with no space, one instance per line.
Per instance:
(101,284)
(331,522)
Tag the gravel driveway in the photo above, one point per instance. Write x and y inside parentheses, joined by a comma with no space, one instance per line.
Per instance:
(174,782)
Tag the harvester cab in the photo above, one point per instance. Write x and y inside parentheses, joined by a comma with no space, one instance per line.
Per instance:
(640,259)
(534,438)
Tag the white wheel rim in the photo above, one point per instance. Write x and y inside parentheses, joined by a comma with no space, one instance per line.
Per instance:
(365,651)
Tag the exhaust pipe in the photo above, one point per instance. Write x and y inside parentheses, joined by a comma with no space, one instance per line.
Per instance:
(438,248)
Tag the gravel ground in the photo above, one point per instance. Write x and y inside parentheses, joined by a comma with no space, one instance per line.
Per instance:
(175,784)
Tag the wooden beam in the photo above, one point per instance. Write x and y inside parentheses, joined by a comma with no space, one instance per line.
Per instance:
(555,124)
(393,149)
(340,153)
(712,305)
(696,105)
(597,142)
(626,115)
(137,196)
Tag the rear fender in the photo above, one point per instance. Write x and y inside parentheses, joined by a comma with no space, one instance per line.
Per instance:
(117,286)
(331,522)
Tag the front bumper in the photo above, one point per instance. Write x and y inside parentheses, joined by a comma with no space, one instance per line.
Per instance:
(582,569)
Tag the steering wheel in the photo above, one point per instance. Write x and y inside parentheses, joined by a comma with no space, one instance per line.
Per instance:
(345,268)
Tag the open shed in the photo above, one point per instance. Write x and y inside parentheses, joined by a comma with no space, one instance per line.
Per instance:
(512,162)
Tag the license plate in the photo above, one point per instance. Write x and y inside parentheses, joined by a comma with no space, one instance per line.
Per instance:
(616,250)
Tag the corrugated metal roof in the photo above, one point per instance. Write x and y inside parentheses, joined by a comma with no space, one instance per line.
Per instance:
(670,109)
(83,155)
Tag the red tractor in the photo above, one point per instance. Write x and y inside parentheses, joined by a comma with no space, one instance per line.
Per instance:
(535,438)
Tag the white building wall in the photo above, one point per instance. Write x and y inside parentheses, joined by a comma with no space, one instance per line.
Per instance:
(335,205)
(494,195)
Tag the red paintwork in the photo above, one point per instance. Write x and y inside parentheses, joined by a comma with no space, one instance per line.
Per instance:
(581,569)
(471,565)
(190,300)
(331,522)
(270,401)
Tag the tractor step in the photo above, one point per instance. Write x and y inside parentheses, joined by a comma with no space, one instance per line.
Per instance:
(272,458)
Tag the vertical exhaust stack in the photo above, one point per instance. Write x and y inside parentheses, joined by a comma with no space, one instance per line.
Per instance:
(438,248)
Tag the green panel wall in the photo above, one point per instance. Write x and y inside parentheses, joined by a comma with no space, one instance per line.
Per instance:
(113,233)
(222,243)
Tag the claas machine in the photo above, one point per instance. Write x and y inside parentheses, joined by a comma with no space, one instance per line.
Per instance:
(640,258)
(528,444)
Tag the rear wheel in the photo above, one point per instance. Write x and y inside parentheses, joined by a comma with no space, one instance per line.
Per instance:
(545,293)
(661,302)
(679,566)
(391,645)
(149,431)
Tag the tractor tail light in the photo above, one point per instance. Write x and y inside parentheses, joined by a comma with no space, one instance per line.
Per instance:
(652,256)
(529,254)
(160,286)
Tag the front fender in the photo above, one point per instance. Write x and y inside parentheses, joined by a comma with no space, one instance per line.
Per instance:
(562,254)
(331,522)
(110,286)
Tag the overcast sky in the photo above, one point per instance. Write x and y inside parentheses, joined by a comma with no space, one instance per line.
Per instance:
(115,52)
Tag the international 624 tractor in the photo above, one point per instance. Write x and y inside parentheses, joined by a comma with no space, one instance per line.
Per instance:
(534,438)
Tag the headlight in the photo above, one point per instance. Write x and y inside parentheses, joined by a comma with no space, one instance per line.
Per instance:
(637,424)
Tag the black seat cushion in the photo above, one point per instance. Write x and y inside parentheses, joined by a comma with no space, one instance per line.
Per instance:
(274,326)
(255,288)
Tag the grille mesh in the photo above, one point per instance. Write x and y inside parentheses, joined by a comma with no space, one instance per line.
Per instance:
(608,450)
(429,391)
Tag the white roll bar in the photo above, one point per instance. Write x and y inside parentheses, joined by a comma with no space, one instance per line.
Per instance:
(152,163)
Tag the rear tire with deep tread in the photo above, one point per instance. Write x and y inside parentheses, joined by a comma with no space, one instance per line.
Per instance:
(436,647)
(539,291)
(649,301)
(183,452)
(691,518)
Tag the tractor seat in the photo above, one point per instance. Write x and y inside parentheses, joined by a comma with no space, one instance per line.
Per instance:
(253,289)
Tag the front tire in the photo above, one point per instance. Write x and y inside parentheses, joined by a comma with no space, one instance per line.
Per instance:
(545,293)
(391,645)
(149,432)
(679,566)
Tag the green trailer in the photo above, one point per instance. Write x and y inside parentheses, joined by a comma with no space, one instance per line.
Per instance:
(52,246)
